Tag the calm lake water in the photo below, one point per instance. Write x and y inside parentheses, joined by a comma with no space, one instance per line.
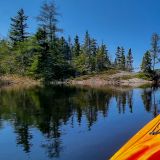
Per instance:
(67,123)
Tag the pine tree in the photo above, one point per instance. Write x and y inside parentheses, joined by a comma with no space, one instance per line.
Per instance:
(76,47)
(129,61)
(93,47)
(63,60)
(115,62)
(25,52)
(64,48)
(70,46)
(6,60)
(86,49)
(107,59)
(118,57)
(93,51)
(123,59)
(55,55)
(80,64)
(86,46)
(155,50)
(146,65)
(102,58)
(48,21)
(120,60)
(18,31)
(44,60)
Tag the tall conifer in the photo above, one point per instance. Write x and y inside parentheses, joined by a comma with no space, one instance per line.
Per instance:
(18,31)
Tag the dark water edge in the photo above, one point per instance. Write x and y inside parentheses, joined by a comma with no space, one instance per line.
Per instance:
(63,123)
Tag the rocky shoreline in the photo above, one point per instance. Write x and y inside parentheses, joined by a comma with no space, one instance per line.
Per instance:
(118,79)
(96,82)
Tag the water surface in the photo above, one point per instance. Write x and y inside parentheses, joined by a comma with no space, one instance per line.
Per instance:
(68,123)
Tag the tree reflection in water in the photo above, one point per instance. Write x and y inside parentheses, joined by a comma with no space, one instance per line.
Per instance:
(48,109)
(150,100)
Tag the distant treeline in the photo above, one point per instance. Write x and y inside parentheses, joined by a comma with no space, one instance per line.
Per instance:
(44,55)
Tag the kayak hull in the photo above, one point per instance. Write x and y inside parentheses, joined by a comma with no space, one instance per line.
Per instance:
(145,145)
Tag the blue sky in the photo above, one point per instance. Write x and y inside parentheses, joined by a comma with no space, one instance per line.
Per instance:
(128,23)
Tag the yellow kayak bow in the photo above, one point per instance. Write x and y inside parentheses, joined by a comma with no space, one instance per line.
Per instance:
(145,145)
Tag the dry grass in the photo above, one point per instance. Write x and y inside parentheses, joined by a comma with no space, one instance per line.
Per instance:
(17,81)
(102,75)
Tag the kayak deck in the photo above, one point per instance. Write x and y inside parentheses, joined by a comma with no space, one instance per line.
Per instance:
(145,145)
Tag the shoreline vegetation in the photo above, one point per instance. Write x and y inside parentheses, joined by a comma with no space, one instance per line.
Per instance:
(16,81)
(45,57)
(114,78)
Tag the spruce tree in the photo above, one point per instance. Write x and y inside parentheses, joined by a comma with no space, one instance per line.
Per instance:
(129,61)
(146,65)
(18,31)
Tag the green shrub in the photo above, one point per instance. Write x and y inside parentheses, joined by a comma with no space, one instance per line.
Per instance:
(144,76)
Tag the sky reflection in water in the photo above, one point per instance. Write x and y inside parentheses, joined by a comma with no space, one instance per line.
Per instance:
(67,123)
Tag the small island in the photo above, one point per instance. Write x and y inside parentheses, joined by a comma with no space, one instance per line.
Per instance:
(43,56)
